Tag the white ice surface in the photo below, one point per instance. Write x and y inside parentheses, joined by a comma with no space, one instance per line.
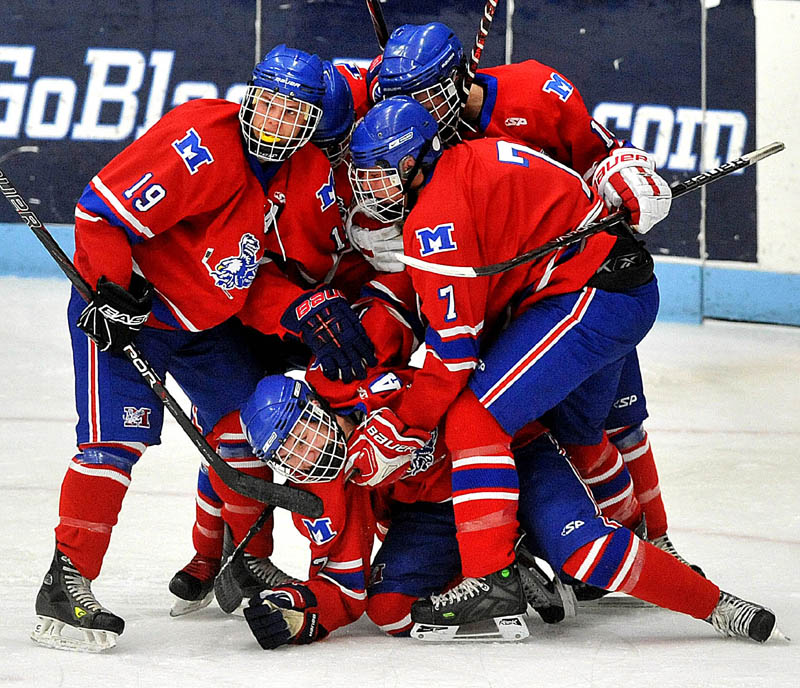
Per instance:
(724,400)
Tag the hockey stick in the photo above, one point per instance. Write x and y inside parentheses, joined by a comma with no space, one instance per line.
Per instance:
(477,50)
(290,498)
(226,589)
(378,22)
(573,237)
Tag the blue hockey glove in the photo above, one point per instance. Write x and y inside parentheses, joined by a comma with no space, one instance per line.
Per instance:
(328,326)
(115,315)
(284,615)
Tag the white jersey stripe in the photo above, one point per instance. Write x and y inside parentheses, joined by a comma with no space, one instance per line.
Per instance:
(105,192)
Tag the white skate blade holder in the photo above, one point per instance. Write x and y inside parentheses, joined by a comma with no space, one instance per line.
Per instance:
(182,607)
(499,629)
(48,632)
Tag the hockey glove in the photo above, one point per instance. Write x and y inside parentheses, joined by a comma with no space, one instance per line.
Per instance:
(284,615)
(328,326)
(382,448)
(378,246)
(628,178)
(115,315)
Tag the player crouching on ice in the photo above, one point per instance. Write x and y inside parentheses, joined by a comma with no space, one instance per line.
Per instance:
(300,434)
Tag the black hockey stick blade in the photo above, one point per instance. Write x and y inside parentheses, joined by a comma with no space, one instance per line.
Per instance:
(574,236)
(378,22)
(284,496)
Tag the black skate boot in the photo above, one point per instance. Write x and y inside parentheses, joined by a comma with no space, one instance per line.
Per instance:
(487,608)
(735,617)
(244,576)
(549,597)
(194,585)
(66,601)
(664,543)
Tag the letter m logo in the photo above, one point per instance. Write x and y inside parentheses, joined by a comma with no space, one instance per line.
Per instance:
(436,240)
(319,530)
(560,86)
(192,152)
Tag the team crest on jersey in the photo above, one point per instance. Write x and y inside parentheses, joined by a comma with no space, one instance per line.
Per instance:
(560,86)
(192,151)
(133,417)
(235,272)
(319,530)
(436,240)
(326,193)
(424,458)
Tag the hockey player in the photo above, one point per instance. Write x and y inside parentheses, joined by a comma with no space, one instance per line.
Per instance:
(536,105)
(294,428)
(581,319)
(176,233)
(343,101)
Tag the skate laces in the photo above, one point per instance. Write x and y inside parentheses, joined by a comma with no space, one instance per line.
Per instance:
(732,615)
(469,587)
(665,544)
(202,568)
(265,571)
(79,588)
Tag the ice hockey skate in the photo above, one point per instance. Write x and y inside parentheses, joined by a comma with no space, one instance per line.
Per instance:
(243,576)
(735,617)
(490,608)
(69,615)
(664,543)
(193,585)
(546,594)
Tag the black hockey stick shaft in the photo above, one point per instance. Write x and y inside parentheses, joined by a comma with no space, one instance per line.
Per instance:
(477,50)
(378,22)
(239,549)
(263,491)
(575,236)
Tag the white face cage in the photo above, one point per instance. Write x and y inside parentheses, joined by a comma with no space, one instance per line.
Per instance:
(314,450)
(378,191)
(274,125)
(442,100)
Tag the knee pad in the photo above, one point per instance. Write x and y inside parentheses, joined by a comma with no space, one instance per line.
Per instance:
(121,457)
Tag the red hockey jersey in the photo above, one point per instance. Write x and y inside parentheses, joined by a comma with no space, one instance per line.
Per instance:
(190,209)
(487,201)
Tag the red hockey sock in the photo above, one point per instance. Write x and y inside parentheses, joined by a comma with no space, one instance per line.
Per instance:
(391,612)
(91,498)
(650,575)
(238,511)
(485,487)
(603,470)
(208,527)
(638,457)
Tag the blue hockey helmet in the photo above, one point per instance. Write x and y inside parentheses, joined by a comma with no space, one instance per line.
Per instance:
(283,103)
(338,117)
(392,134)
(288,426)
(426,62)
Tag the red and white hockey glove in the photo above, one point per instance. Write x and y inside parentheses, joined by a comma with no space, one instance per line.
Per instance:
(285,615)
(628,178)
(382,447)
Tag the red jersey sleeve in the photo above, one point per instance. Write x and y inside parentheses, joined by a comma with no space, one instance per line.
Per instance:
(536,105)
